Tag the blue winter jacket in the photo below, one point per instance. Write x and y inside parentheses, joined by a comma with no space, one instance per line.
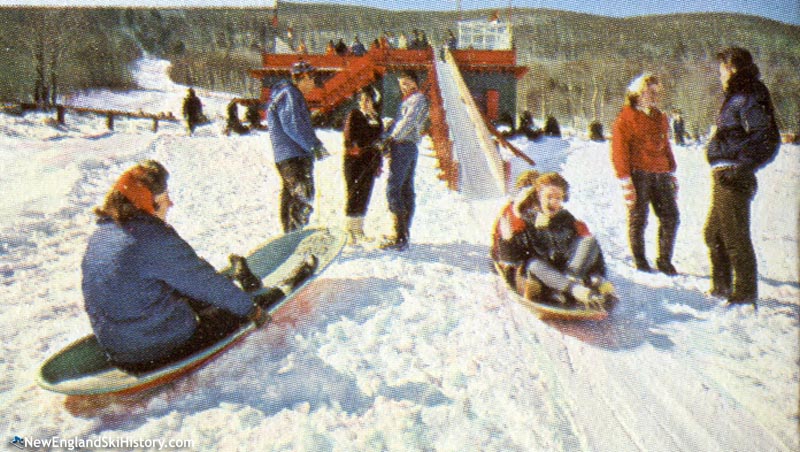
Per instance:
(289,123)
(134,278)
(747,136)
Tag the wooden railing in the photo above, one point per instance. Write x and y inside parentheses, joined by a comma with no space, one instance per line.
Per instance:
(110,115)
(440,134)
(359,72)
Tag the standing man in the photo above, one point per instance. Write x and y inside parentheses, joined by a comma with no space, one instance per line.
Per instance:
(678,128)
(746,139)
(401,147)
(192,110)
(294,145)
(644,164)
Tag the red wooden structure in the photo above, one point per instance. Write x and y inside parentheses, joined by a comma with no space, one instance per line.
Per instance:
(343,76)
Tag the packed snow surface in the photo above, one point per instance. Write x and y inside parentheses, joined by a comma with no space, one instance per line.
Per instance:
(415,351)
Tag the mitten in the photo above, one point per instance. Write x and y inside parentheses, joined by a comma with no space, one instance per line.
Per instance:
(628,191)
(259,316)
(320,153)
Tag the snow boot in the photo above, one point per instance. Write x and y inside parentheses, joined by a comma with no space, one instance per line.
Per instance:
(666,245)
(241,273)
(603,287)
(354,226)
(586,296)
(400,241)
(301,273)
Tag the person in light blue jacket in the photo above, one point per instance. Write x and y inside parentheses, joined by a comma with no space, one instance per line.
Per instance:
(294,145)
(401,147)
(150,299)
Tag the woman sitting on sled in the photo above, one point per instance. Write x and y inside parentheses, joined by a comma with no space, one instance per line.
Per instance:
(544,252)
(151,300)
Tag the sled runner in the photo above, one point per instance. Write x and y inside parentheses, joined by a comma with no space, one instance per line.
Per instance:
(82,368)
(551,307)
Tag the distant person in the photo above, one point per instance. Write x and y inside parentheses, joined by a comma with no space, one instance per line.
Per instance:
(402,41)
(525,120)
(192,110)
(358,48)
(416,41)
(678,128)
(645,166)
(545,252)
(150,298)
(423,40)
(330,49)
(294,144)
(452,41)
(341,47)
(746,139)
(233,123)
(401,148)
(253,114)
(362,160)
(302,48)
(551,127)
(596,131)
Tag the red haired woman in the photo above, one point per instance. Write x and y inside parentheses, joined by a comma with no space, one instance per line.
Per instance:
(150,298)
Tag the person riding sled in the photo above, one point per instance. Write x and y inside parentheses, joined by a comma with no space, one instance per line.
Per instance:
(544,252)
(150,298)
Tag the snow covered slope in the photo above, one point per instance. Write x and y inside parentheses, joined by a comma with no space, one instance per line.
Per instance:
(413,351)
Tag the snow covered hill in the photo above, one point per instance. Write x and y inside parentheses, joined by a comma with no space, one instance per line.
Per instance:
(414,351)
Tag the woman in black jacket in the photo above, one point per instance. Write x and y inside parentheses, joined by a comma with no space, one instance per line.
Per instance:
(746,139)
(362,160)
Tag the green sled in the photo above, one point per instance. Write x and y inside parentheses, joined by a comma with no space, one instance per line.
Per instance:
(82,368)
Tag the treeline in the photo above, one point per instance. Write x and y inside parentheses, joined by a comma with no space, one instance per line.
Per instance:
(579,64)
(48,52)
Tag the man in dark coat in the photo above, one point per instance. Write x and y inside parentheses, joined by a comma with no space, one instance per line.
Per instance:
(192,110)
(746,139)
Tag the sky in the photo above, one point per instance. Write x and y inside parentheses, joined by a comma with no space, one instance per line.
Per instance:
(783,10)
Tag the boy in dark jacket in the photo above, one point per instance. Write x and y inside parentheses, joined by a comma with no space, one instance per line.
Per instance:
(746,139)
(541,248)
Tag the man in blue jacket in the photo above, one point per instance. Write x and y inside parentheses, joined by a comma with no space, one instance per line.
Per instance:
(294,144)
(746,139)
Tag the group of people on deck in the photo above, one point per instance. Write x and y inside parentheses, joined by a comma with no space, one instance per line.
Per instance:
(152,300)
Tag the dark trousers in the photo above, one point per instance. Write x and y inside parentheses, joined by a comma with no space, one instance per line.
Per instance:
(297,193)
(400,183)
(359,178)
(727,234)
(213,325)
(658,190)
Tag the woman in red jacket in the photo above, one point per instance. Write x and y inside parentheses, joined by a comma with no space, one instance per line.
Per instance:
(644,164)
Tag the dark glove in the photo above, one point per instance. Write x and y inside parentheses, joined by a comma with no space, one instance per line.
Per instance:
(269,298)
(733,176)
(384,145)
(320,153)
(259,316)
(242,273)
